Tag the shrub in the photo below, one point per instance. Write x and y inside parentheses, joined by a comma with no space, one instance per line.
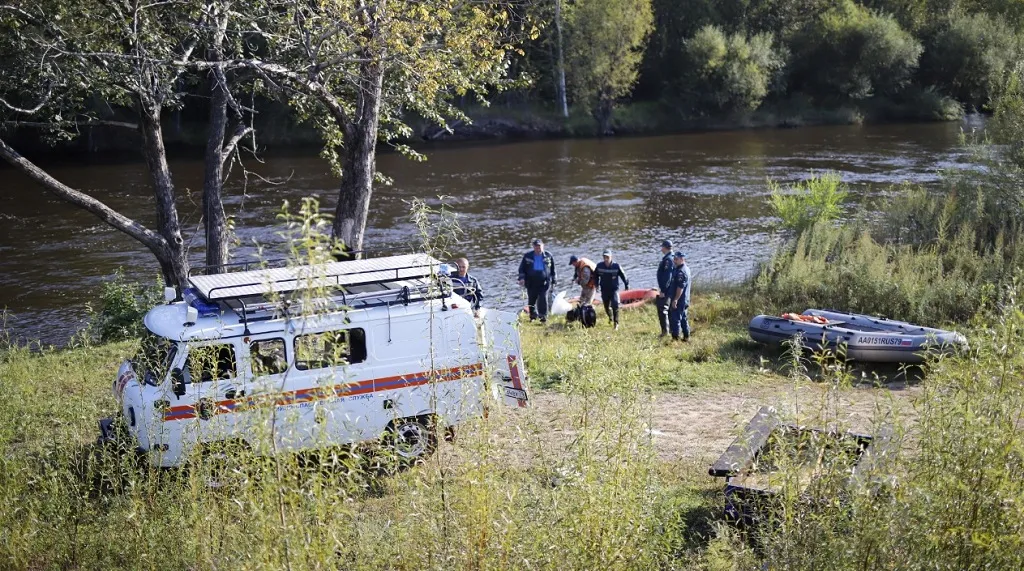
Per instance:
(817,199)
(732,73)
(850,52)
(846,269)
(969,57)
(123,304)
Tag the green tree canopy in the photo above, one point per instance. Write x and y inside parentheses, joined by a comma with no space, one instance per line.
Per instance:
(851,52)
(606,40)
(731,72)
(970,57)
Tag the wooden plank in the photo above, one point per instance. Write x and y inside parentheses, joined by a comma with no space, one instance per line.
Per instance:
(744,449)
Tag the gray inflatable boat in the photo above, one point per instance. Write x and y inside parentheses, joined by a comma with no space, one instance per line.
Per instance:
(863,337)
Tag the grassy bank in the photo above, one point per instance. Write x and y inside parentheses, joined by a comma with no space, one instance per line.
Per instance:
(607,469)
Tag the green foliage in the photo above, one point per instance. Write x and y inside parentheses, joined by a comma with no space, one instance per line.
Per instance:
(850,52)
(970,57)
(605,44)
(1007,125)
(948,498)
(122,305)
(732,73)
(818,199)
(846,269)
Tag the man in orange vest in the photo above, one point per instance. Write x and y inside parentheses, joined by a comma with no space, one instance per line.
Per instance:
(585,277)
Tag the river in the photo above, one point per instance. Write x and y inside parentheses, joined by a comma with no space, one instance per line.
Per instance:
(704,191)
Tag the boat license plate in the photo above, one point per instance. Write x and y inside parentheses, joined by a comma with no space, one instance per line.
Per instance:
(519,394)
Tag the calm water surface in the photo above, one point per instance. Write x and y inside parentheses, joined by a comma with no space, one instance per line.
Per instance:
(703,191)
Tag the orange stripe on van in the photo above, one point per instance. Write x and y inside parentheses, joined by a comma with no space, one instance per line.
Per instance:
(336,391)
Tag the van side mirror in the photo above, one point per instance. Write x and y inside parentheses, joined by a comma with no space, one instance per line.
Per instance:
(177,382)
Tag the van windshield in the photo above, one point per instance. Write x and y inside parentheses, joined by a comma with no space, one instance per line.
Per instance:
(153,358)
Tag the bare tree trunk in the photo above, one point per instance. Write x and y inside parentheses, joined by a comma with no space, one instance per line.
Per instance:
(359,160)
(214,219)
(173,263)
(560,72)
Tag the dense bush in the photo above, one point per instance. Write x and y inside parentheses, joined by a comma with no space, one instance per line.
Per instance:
(123,304)
(731,72)
(846,269)
(969,57)
(817,199)
(850,52)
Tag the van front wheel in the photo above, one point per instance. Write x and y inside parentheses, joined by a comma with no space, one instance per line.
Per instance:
(413,438)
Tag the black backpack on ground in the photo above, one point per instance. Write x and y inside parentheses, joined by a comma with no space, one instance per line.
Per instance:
(585,314)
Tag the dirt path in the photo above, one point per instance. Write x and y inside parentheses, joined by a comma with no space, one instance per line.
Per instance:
(698,426)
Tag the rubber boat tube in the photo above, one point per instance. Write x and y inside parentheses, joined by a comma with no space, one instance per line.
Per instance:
(862,337)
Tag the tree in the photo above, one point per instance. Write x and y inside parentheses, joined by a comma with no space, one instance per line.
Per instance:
(135,57)
(731,73)
(606,40)
(970,57)
(355,68)
(850,52)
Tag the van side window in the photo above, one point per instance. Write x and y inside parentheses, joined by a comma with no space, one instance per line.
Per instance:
(268,357)
(330,349)
(210,362)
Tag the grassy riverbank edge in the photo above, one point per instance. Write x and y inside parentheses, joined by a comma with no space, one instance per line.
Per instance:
(619,380)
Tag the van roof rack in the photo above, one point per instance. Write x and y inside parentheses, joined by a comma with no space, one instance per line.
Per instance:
(333,275)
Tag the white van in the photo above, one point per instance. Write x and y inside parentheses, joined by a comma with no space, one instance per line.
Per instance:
(388,350)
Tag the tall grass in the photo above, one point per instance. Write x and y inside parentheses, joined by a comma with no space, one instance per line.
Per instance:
(949,498)
(509,493)
(846,269)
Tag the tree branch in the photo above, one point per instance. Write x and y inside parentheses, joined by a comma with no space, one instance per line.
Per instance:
(241,130)
(302,84)
(90,123)
(150,239)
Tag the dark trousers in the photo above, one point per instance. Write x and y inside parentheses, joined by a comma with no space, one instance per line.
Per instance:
(678,320)
(611,304)
(537,296)
(663,303)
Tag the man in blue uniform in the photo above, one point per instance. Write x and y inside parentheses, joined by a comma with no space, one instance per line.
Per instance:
(665,269)
(466,285)
(537,275)
(608,275)
(680,295)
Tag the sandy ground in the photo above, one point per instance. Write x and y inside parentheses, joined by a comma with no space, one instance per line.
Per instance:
(697,427)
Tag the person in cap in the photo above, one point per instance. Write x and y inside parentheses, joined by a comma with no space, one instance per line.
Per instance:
(537,275)
(665,269)
(585,278)
(680,296)
(608,275)
(466,285)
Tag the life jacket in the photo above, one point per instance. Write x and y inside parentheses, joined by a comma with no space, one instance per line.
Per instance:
(584,262)
(817,319)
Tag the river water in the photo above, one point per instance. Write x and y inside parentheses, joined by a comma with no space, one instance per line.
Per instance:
(704,191)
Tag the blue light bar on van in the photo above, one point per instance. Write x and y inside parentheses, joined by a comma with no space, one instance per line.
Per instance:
(205,308)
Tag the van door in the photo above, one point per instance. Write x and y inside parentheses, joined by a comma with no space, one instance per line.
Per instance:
(267,361)
(504,355)
(211,386)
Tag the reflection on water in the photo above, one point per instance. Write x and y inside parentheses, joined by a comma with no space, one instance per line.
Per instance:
(703,191)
